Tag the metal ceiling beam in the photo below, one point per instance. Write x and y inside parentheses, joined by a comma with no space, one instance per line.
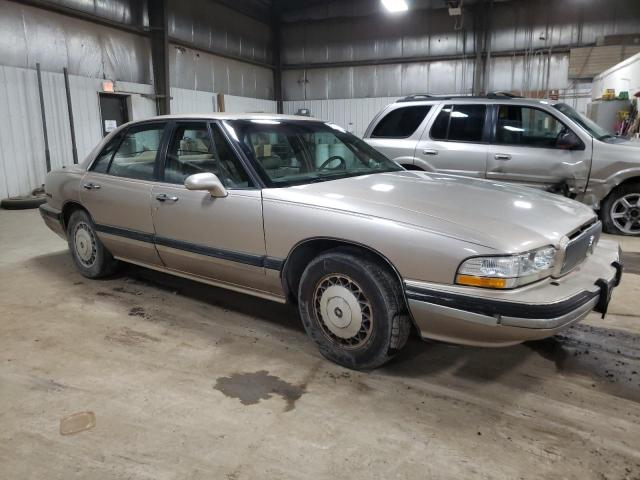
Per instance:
(432,58)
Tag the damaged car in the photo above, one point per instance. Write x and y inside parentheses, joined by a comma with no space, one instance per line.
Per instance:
(537,143)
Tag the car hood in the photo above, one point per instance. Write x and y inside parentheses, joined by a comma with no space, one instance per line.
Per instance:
(492,214)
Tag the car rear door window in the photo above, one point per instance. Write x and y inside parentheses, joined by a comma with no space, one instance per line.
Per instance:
(136,154)
(526,126)
(459,123)
(401,122)
(193,150)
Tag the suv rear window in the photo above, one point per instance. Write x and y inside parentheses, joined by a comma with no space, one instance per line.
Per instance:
(401,122)
(459,123)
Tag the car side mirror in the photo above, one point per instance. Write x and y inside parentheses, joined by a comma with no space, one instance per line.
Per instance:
(206,181)
(569,141)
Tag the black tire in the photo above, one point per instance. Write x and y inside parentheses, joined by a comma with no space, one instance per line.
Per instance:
(23,203)
(384,325)
(92,259)
(613,205)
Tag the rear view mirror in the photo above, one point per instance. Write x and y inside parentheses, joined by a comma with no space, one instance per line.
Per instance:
(206,181)
(569,141)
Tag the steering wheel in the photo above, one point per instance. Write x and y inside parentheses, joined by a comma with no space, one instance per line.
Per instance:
(343,163)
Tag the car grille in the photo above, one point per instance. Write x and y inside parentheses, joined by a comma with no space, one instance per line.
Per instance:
(580,246)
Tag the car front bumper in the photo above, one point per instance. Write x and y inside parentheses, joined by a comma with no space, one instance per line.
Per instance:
(484,317)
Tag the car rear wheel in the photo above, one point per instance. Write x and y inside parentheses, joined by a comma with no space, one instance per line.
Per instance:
(353,308)
(621,210)
(92,259)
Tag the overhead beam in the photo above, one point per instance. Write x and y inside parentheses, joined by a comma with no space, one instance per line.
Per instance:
(426,58)
(159,37)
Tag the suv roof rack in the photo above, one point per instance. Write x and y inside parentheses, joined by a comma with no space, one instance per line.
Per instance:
(416,96)
(425,96)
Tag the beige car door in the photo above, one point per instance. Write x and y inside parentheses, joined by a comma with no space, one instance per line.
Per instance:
(218,239)
(117,193)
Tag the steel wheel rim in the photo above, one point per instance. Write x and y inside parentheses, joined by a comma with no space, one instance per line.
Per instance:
(85,244)
(625,213)
(342,311)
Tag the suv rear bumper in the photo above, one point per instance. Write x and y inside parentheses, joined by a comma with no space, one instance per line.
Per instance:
(483,317)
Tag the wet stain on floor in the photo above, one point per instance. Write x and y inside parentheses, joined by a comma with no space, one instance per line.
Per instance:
(609,356)
(250,388)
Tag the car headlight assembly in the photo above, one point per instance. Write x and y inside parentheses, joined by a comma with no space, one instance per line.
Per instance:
(507,271)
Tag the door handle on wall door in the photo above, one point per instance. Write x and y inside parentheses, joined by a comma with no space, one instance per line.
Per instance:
(91,186)
(502,156)
(163,197)
(429,151)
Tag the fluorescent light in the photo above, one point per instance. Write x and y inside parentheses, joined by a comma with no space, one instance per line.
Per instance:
(395,5)
(513,129)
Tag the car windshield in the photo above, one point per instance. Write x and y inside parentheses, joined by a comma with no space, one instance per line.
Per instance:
(589,125)
(295,152)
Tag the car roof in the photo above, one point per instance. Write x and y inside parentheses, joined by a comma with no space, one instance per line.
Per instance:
(233,116)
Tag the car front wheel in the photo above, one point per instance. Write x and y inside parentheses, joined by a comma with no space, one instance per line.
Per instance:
(353,308)
(92,259)
(621,210)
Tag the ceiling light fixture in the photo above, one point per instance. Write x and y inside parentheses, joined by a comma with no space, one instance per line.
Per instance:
(395,5)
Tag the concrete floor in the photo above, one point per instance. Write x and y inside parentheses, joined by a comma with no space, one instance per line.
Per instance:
(191,382)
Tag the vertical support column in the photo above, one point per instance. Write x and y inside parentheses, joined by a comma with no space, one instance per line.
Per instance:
(72,128)
(159,36)
(275,46)
(481,39)
(47,155)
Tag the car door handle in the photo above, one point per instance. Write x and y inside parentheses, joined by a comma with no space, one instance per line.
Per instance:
(163,197)
(429,152)
(502,156)
(91,186)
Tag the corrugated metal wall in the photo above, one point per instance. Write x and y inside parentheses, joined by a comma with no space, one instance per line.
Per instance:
(31,35)
(351,114)
(22,157)
(234,104)
(216,28)
(196,70)
(523,37)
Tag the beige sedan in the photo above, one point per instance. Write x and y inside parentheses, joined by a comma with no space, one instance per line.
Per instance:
(295,209)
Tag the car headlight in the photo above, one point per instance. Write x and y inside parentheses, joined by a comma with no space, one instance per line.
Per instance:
(507,271)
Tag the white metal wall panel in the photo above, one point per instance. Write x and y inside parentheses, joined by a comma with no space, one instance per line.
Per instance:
(353,114)
(86,113)
(142,105)
(22,160)
(22,156)
(625,76)
(192,101)
(236,104)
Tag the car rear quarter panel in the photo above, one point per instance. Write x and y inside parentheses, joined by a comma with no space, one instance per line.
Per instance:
(416,253)
(63,186)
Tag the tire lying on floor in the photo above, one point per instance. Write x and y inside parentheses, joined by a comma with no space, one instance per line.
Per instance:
(23,203)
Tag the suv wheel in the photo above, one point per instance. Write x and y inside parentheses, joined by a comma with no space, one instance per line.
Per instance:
(89,255)
(621,210)
(353,308)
